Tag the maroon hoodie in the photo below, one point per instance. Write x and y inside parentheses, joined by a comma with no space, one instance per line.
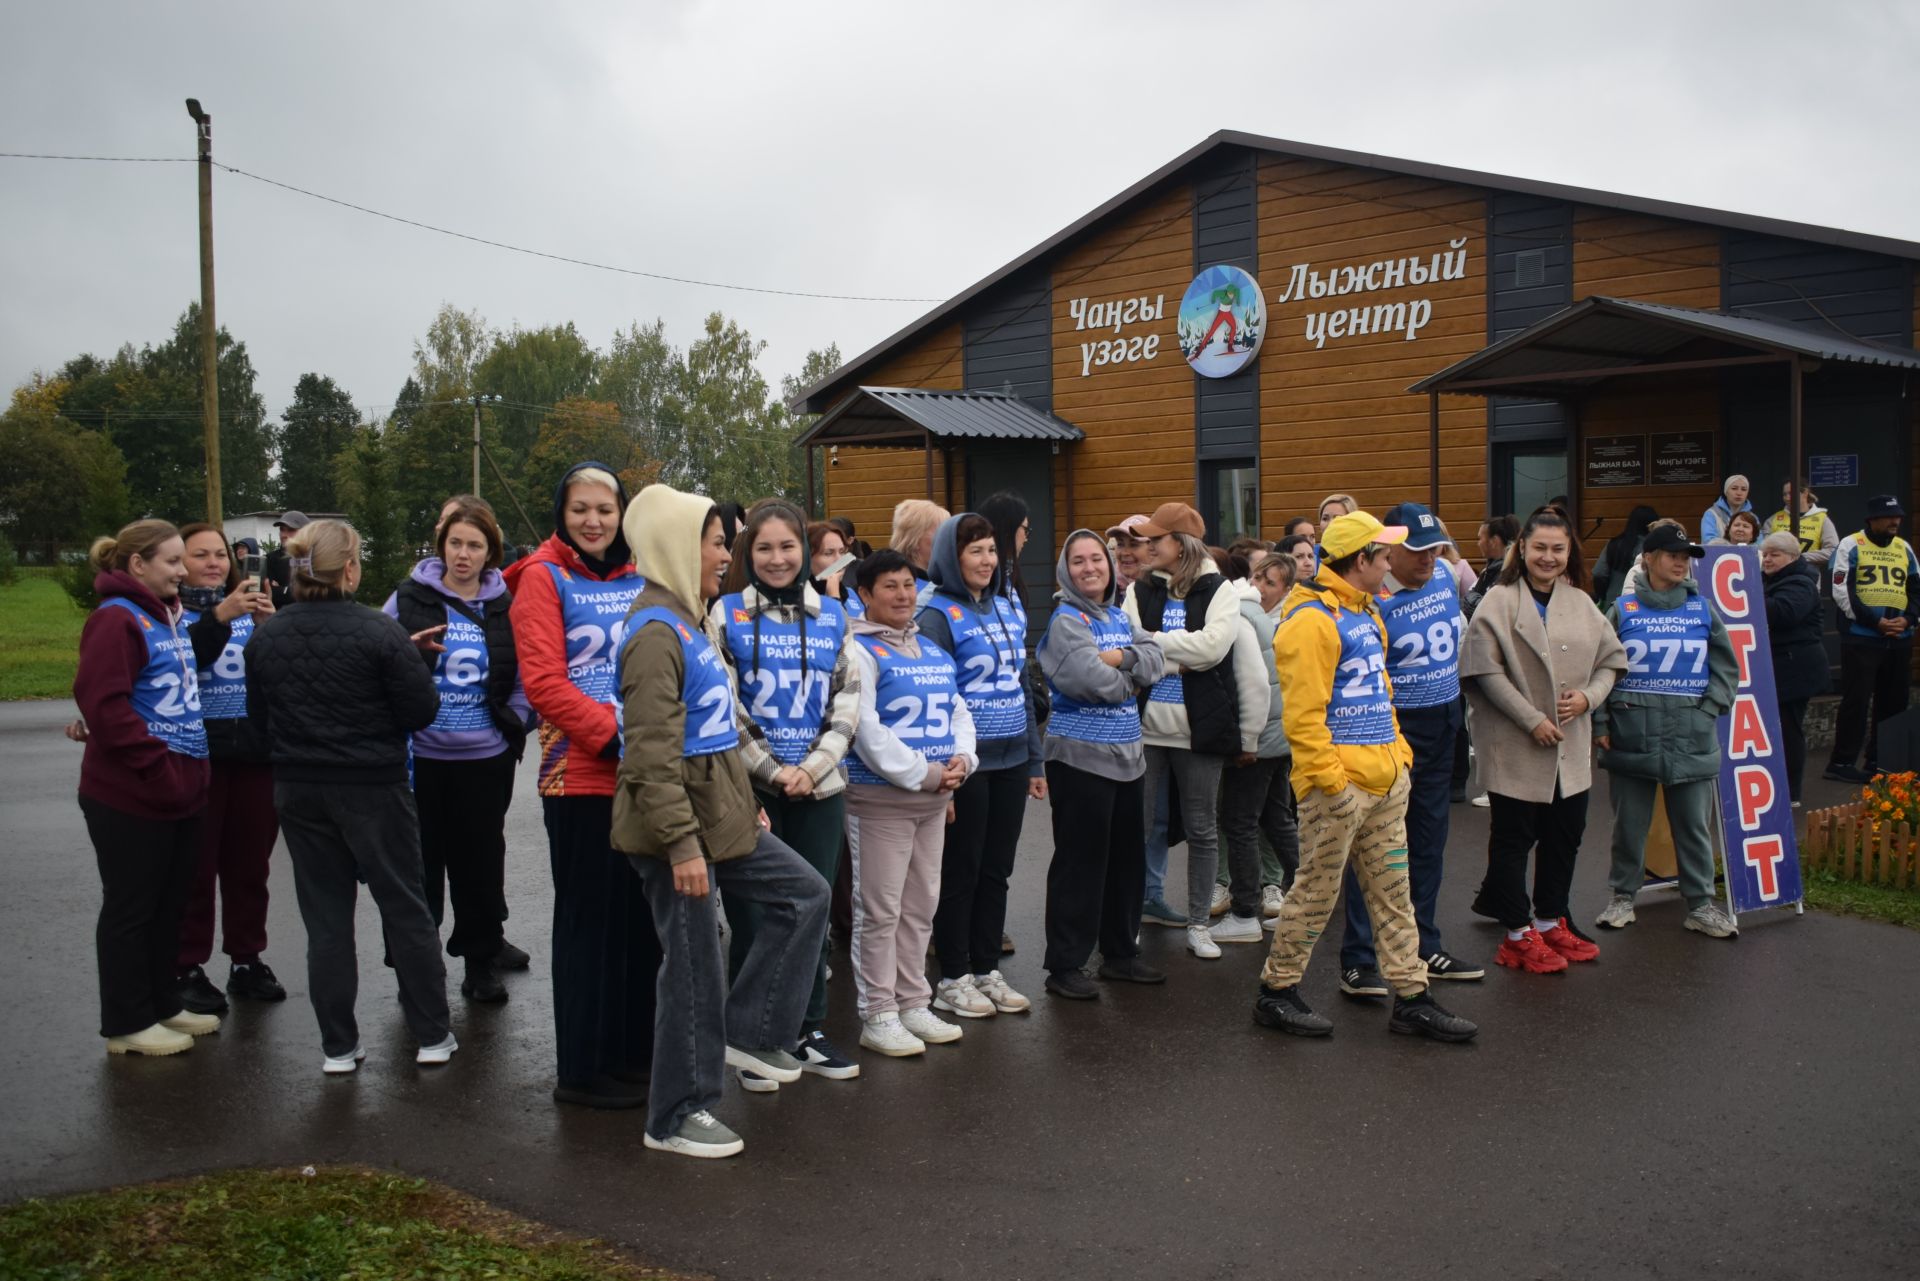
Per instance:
(125,767)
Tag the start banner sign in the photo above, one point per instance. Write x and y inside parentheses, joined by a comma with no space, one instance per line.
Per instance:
(1756,814)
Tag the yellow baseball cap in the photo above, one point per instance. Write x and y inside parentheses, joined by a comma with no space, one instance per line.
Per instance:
(1347,534)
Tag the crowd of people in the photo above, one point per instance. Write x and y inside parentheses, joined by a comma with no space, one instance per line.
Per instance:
(748,725)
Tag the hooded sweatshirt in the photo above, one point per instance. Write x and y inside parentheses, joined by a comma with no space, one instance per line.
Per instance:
(668,804)
(578,732)
(1259,680)
(126,767)
(463,731)
(943,571)
(1069,657)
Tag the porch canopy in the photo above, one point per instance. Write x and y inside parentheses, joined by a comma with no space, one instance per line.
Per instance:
(1598,339)
(916,418)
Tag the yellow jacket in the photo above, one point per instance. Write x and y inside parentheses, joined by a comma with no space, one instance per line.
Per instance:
(1306,650)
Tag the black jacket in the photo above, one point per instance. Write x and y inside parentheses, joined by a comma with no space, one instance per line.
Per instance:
(1212,697)
(336,688)
(1793,631)
(420,607)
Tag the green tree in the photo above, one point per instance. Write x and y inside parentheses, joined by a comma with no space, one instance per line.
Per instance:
(730,440)
(818,365)
(531,369)
(63,484)
(446,361)
(314,429)
(578,429)
(363,480)
(641,373)
(246,437)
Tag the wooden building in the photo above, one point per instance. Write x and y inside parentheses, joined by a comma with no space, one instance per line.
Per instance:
(1479,342)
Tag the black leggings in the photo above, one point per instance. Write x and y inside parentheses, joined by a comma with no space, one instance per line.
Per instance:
(988,810)
(1557,826)
(146,872)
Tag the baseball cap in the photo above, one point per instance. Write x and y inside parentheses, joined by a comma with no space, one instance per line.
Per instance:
(1423,527)
(1670,538)
(293,520)
(1128,528)
(1345,535)
(1172,518)
(1884,505)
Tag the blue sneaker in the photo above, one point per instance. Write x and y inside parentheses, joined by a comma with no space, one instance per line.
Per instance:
(1156,912)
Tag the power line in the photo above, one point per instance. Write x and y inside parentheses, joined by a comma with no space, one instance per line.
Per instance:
(124,160)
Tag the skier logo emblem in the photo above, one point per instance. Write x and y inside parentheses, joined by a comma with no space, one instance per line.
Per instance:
(1223,319)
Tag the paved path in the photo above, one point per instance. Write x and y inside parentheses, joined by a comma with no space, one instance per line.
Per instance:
(1681,1108)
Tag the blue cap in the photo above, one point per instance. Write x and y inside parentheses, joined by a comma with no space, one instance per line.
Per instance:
(1424,530)
(1884,505)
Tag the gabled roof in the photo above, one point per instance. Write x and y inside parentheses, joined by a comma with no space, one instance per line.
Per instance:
(908,416)
(1597,338)
(813,399)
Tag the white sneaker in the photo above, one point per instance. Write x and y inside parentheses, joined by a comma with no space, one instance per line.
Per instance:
(885,1034)
(992,986)
(754,1083)
(1222,900)
(1201,944)
(928,1026)
(192,1024)
(155,1040)
(1235,929)
(960,996)
(344,1064)
(436,1054)
(1482,802)
(1271,901)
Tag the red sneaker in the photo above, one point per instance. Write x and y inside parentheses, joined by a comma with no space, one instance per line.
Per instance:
(1528,953)
(1563,940)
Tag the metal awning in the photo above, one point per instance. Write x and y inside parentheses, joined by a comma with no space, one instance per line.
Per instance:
(906,417)
(1600,338)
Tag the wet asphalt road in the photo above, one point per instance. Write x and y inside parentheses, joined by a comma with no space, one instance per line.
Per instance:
(1683,1107)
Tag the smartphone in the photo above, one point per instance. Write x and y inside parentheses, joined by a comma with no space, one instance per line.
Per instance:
(253,572)
(846,559)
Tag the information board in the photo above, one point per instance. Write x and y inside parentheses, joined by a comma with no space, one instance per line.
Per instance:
(1683,458)
(1833,471)
(1615,461)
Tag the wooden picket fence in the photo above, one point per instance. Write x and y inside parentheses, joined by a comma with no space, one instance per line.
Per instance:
(1843,842)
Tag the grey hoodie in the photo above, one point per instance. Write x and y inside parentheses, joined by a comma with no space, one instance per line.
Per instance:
(943,571)
(1070,660)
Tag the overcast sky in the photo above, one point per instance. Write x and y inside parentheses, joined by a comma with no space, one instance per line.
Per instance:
(875,149)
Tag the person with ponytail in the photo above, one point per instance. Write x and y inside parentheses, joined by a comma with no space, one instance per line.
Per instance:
(336,689)
(241,826)
(463,763)
(143,783)
(570,601)
(799,698)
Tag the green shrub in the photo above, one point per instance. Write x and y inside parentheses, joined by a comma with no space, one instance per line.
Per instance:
(9,561)
(77,578)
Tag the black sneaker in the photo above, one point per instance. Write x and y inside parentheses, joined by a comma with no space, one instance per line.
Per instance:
(255,982)
(482,984)
(197,993)
(1358,982)
(1422,1016)
(1846,773)
(601,1092)
(818,1056)
(1131,970)
(1457,794)
(1283,1008)
(510,957)
(1445,965)
(1072,984)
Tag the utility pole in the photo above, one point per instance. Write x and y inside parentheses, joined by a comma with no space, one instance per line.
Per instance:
(209,352)
(478,401)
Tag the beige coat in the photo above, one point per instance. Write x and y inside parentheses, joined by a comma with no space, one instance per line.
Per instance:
(1514,669)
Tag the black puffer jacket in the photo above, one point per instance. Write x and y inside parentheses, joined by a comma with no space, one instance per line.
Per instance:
(336,688)
(1793,631)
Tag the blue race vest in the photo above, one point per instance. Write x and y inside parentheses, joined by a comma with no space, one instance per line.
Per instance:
(1095,722)
(991,652)
(704,689)
(1423,642)
(787,693)
(855,607)
(1666,648)
(914,698)
(167,693)
(595,616)
(461,674)
(1171,689)
(223,687)
(1359,712)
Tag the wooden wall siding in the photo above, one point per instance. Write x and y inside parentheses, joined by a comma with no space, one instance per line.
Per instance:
(1670,402)
(868,482)
(1621,255)
(1138,417)
(1339,418)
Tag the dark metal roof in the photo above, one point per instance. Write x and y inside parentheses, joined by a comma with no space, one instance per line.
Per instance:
(908,415)
(1597,338)
(807,400)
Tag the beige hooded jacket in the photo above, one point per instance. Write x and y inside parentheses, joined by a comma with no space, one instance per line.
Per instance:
(666,804)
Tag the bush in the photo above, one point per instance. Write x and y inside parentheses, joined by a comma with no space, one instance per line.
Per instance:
(77,578)
(9,562)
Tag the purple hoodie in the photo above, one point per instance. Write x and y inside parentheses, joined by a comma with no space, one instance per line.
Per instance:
(436,742)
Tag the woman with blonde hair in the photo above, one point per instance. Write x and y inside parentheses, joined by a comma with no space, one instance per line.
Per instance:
(1334,506)
(336,688)
(915,522)
(143,783)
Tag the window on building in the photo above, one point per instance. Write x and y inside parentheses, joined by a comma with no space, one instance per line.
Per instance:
(1230,494)
(1527,475)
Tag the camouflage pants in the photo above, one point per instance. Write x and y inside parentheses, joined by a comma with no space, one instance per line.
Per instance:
(1372,831)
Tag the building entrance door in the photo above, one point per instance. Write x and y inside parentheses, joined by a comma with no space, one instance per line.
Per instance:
(1526,475)
(1026,470)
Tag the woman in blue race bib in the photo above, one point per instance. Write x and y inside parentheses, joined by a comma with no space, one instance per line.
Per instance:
(143,783)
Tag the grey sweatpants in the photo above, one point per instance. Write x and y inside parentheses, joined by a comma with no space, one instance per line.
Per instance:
(1196,777)
(1689,814)
(897,840)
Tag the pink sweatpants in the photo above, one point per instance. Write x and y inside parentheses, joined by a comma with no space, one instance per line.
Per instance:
(896,839)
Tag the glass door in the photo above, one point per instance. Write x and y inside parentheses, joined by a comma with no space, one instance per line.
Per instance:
(1230,499)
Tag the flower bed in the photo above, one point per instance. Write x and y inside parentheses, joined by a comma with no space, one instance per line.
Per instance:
(1873,840)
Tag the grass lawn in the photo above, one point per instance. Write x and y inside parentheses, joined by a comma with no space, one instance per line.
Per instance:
(39,639)
(245,1225)
(1829,893)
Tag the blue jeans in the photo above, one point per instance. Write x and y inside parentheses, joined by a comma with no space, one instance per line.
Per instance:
(1197,776)
(695,1017)
(1156,805)
(1431,732)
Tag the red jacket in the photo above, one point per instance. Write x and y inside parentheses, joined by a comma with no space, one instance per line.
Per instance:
(574,729)
(125,767)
